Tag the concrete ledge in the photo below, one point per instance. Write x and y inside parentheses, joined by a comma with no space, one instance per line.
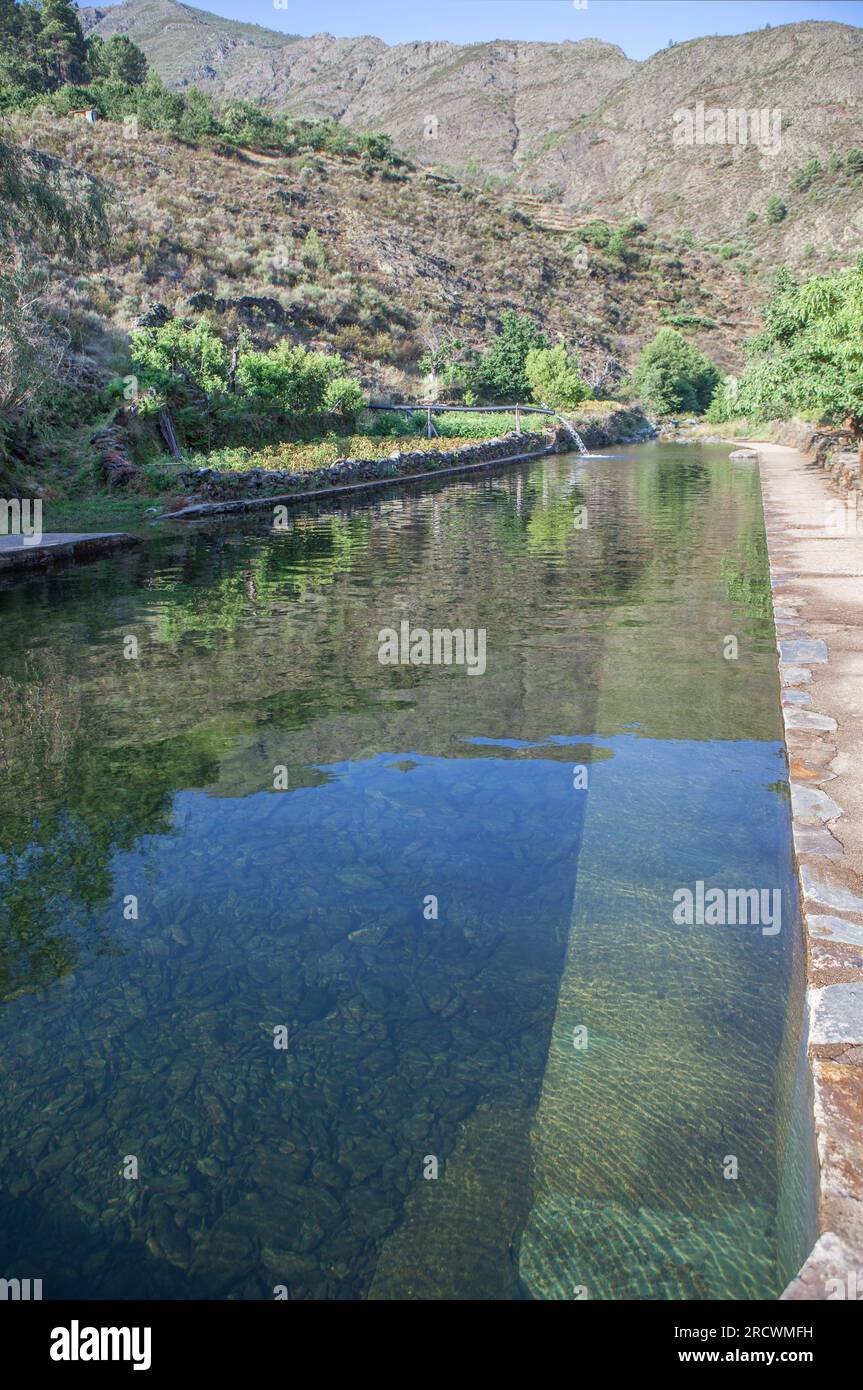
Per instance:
(59,547)
(816,571)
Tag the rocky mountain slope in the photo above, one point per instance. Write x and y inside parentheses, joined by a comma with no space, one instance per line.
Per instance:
(183,44)
(579,121)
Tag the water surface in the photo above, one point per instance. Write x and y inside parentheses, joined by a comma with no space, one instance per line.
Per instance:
(413,1040)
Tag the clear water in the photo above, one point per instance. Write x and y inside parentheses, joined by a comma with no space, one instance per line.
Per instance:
(410,1039)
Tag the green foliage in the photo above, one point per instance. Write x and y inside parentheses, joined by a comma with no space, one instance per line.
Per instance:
(673,376)
(61,43)
(501,372)
(344,396)
(313,253)
(775,210)
(187,365)
(179,356)
(554,379)
(854,162)
(42,47)
(118,60)
(40,198)
(803,178)
(43,209)
(809,358)
(289,378)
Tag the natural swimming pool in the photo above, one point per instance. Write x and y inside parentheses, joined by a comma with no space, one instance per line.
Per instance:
(450,895)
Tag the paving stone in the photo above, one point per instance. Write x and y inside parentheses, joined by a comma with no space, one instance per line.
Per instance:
(794,675)
(809,720)
(831,894)
(812,803)
(828,928)
(836,1014)
(803,650)
(815,839)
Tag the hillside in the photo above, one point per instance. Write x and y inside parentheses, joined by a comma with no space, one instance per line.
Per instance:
(322,249)
(579,121)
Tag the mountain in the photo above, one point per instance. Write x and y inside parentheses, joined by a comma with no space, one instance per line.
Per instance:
(578,121)
(183,44)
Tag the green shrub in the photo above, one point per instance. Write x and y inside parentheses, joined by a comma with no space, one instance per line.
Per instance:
(344,396)
(673,376)
(802,178)
(775,209)
(554,379)
(175,357)
(809,358)
(288,378)
(501,373)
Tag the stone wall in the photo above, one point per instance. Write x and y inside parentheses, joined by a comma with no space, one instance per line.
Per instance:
(226,486)
(839,451)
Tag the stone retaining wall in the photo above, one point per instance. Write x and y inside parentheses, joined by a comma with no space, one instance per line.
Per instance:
(838,451)
(225,486)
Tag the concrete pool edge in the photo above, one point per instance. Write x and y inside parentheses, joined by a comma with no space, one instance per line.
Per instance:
(816,576)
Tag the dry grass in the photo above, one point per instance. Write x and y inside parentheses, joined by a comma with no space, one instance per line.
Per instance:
(384,255)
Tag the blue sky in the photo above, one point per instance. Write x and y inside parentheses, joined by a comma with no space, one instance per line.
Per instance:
(640,27)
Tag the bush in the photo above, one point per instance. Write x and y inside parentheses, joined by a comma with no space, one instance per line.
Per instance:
(673,376)
(802,178)
(854,161)
(176,357)
(775,210)
(554,379)
(344,396)
(809,358)
(288,378)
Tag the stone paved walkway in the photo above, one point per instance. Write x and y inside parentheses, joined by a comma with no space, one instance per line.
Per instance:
(815,542)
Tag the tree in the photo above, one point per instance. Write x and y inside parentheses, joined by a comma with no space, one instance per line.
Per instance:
(554,377)
(41,199)
(345,397)
(33,345)
(43,208)
(673,376)
(175,357)
(809,358)
(292,379)
(61,43)
(441,349)
(118,59)
(500,373)
(20,60)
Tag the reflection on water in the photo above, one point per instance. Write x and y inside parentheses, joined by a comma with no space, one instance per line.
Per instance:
(433,909)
